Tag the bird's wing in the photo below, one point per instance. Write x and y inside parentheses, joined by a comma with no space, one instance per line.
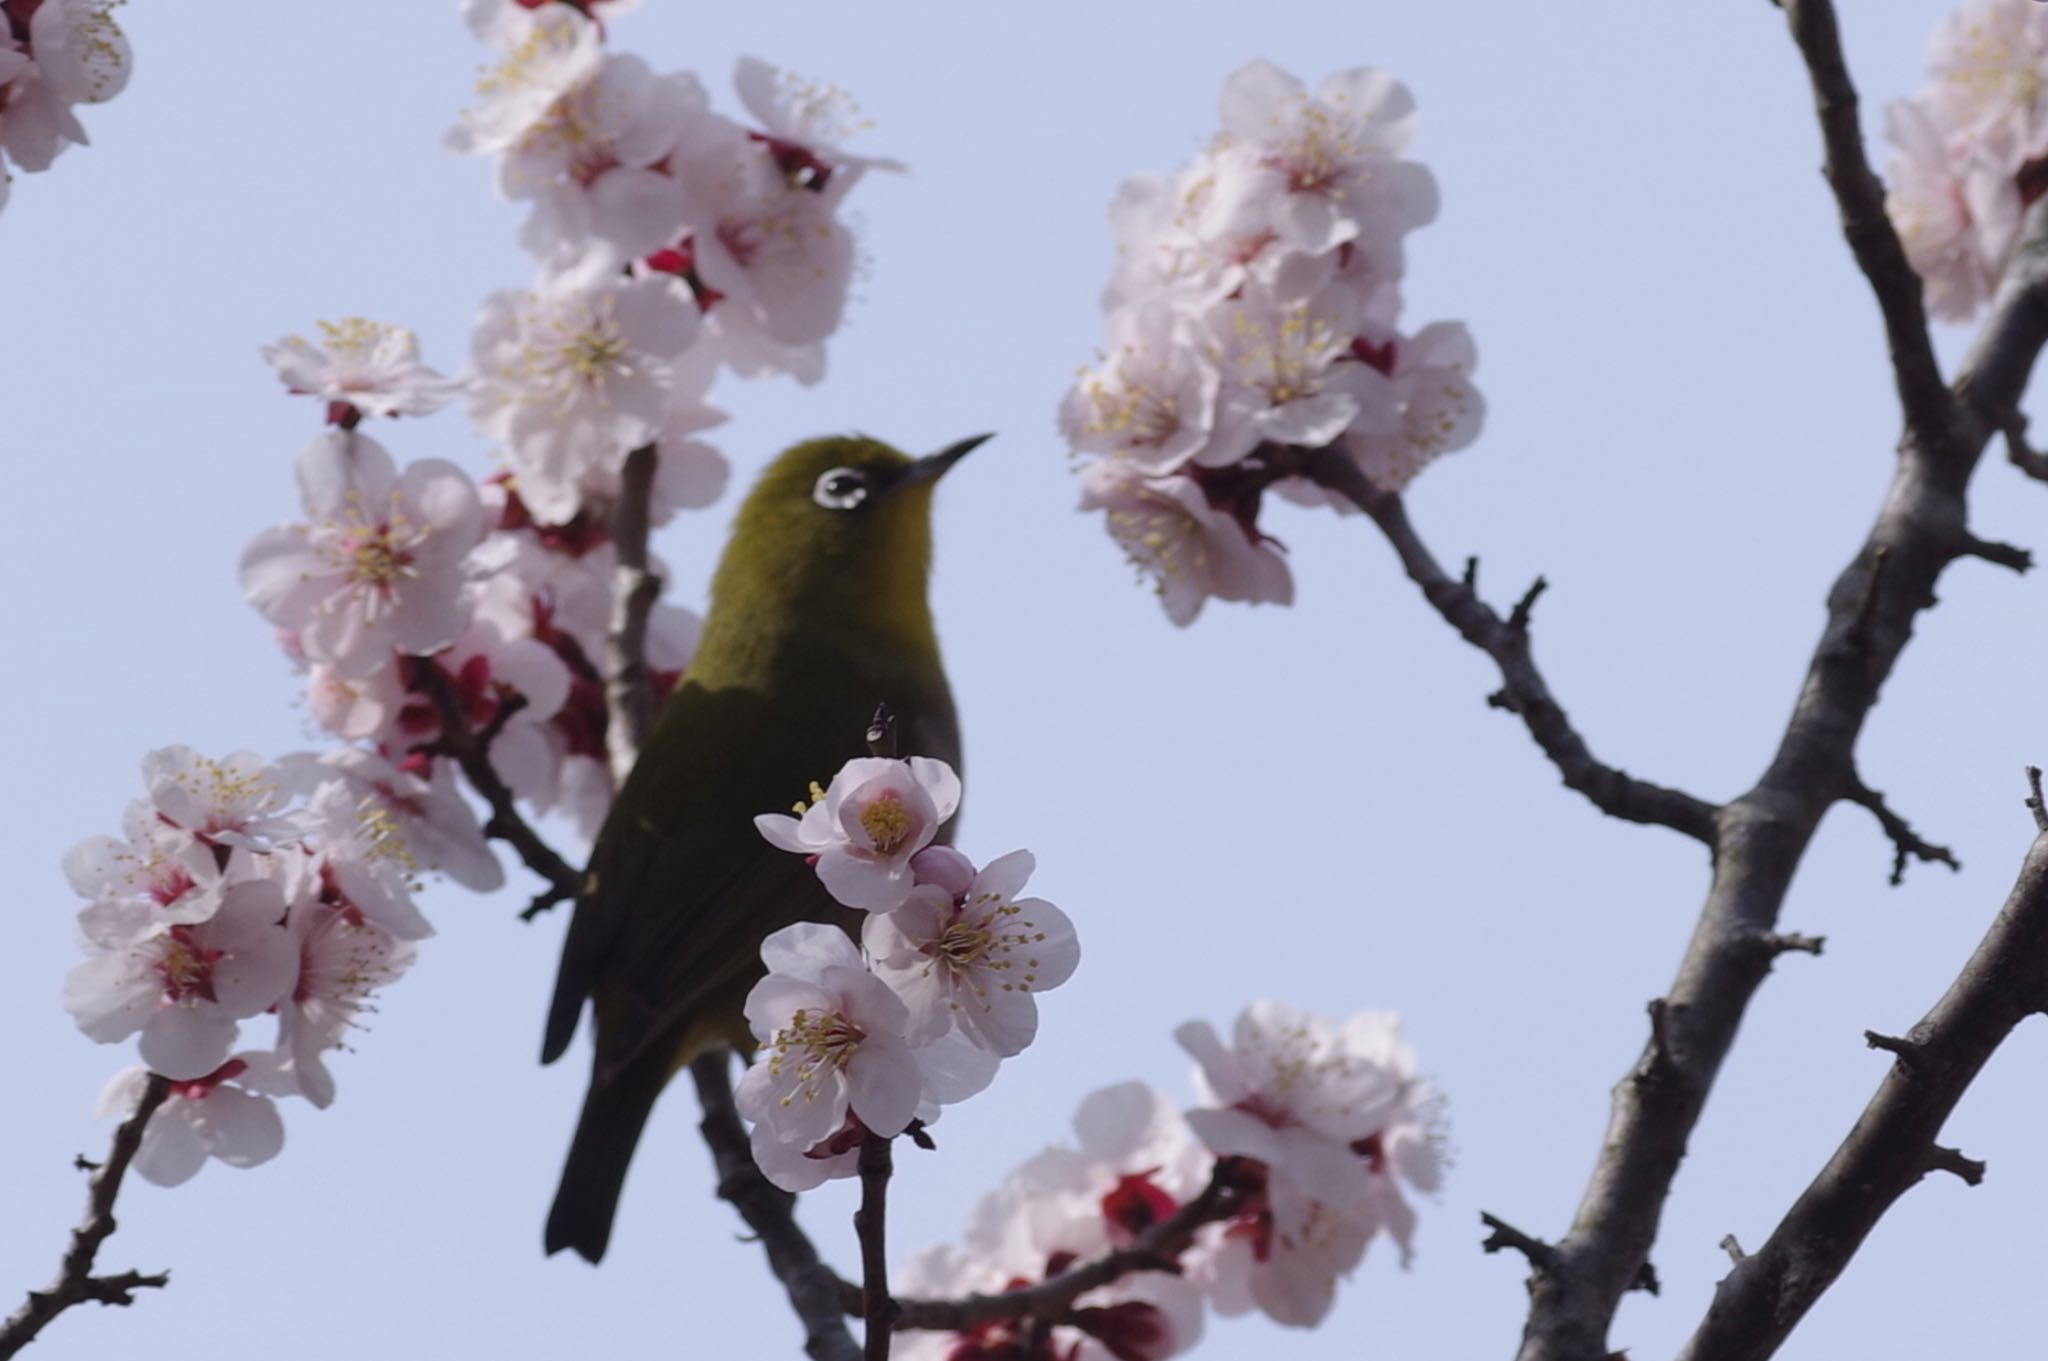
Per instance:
(681,887)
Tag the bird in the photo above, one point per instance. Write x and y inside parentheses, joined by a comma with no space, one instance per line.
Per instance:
(818,615)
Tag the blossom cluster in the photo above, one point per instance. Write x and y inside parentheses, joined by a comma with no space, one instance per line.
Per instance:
(241,889)
(1256,305)
(54,56)
(1309,1125)
(864,1039)
(1970,151)
(671,243)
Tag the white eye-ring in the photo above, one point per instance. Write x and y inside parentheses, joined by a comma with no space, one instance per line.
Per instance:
(840,489)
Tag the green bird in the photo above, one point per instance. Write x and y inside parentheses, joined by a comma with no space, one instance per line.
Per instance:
(818,614)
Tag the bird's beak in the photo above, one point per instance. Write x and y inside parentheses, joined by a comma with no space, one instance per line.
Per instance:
(933,466)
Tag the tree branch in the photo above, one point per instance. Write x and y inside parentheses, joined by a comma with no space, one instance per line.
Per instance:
(1157,1249)
(1893,1143)
(75,1283)
(1506,641)
(870,1225)
(813,1287)
(1763,834)
(1905,842)
(471,751)
(1860,196)
(629,691)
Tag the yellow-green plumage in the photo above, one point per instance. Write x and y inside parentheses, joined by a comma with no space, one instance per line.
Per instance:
(818,614)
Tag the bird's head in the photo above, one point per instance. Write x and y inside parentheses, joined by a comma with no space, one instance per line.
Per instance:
(839,530)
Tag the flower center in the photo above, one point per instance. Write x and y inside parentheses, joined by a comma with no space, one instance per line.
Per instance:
(186,968)
(813,1046)
(887,822)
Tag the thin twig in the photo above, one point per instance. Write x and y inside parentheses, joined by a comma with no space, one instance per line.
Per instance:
(1905,842)
(75,1283)
(472,752)
(2035,804)
(1506,641)
(1157,1249)
(2024,456)
(813,1288)
(1784,942)
(1859,195)
(870,1226)
(629,689)
(1892,1146)
(1506,1237)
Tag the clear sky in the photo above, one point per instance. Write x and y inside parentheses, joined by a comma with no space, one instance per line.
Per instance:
(1690,428)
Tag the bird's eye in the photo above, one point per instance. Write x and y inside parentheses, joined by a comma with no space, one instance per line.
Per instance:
(840,489)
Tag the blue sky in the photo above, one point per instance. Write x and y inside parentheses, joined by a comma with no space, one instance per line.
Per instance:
(1690,427)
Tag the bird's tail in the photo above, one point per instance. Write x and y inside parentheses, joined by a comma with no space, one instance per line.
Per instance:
(614,1113)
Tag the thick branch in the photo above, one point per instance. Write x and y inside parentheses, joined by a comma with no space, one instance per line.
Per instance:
(770,1212)
(1157,1249)
(1764,833)
(1506,641)
(1860,196)
(471,751)
(75,1283)
(870,1226)
(1893,1144)
(629,691)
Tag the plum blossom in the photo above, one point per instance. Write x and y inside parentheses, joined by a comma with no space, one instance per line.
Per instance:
(977,959)
(236,801)
(380,565)
(76,54)
(805,124)
(1135,1165)
(360,368)
(1963,148)
(154,865)
(865,828)
(226,1114)
(1151,402)
(438,827)
(574,374)
(832,1043)
(183,985)
(344,958)
(595,163)
(363,866)
(1255,306)
(1328,1116)
(547,52)
(1190,548)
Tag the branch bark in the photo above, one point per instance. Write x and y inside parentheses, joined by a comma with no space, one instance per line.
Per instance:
(75,1283)
(1763,834)
(471,752)
(870,1226)
(1523,690)
(1157,1249)
(1893,1143)
(813,1288)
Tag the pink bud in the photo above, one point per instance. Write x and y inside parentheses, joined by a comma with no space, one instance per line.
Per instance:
(945,867)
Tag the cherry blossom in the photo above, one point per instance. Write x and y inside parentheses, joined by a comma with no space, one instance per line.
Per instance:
(380,565)
(976,960)
(1190,548)
(865,828)
(360,368)
(222,1114)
